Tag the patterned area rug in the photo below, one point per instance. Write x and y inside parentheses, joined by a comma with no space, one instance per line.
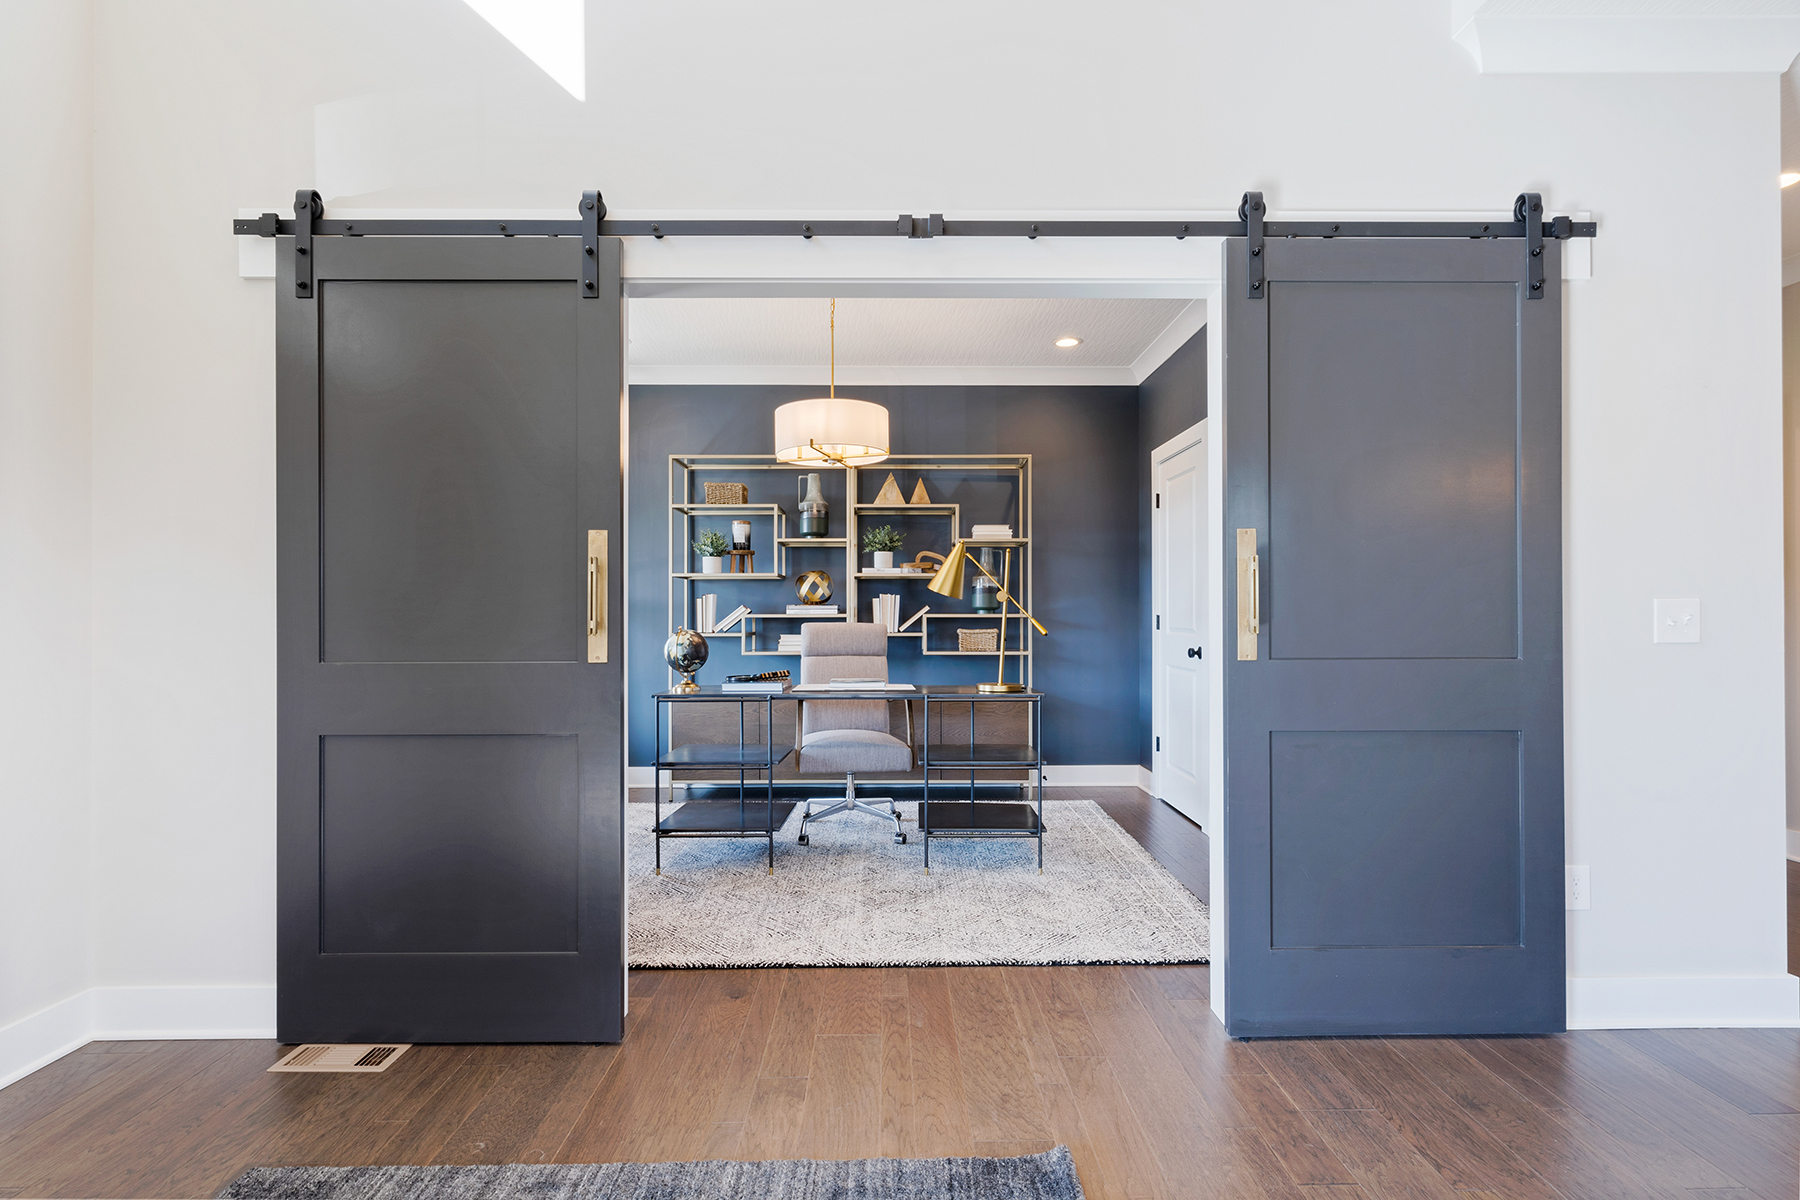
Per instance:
(1047,1176)
(855,899)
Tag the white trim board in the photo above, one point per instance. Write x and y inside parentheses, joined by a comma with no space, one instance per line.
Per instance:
(1685,1002)
(1793,845)
(130,1014)
(873,376)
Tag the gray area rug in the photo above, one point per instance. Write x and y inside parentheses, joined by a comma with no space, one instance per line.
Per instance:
(1048,1176)
(854,898)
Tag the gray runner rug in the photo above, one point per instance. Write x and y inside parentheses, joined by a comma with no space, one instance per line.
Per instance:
(855,899)
(1047,1176)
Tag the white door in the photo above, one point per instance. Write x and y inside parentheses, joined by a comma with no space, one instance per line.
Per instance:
(1178,587)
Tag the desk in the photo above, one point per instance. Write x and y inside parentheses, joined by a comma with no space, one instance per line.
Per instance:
(957,818)
(722,818)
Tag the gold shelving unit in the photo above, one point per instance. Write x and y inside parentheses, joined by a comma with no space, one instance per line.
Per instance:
(687,472)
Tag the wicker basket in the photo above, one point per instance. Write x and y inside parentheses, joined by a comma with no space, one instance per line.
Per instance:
(727,493)
(978,641)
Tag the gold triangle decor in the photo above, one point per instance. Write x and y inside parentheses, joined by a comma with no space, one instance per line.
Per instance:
(920,495)
(890,492)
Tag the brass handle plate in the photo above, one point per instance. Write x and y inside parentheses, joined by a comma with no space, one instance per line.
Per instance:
(1249,595)
(596,596)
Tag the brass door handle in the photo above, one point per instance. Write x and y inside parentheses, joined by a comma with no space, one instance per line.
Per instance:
(1249,595)
(596,596)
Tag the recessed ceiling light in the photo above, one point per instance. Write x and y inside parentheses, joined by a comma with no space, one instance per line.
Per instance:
(1067,343)
(1790,178)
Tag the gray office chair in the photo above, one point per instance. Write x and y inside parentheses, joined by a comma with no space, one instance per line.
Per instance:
(847,736)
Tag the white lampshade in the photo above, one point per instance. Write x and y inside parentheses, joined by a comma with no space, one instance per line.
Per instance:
(852,433)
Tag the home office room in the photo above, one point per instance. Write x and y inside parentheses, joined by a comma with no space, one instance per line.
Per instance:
(1052,601)
(962,488)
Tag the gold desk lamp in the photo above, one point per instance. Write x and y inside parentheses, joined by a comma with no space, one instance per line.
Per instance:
(949,582)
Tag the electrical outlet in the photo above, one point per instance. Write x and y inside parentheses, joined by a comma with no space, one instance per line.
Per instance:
(1675,621)
(1576,892)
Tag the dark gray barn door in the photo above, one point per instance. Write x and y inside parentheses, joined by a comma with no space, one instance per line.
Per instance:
(1393,719)
(451,864)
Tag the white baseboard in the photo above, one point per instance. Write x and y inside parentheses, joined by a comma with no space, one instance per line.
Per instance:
(1685,1002)
(45,1036)
(1094,775)
(133,1014)
(1146,780)
(1794,845)
(1073,775)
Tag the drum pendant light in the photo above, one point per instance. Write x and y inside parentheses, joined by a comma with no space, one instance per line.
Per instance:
(831,429)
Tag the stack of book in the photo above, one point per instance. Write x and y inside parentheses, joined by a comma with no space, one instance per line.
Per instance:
(768,681)
(989,533)
(706,612)
(789,644)
(813,610)
(886,612)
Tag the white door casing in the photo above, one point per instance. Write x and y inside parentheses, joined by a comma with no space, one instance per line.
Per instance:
(1178,641)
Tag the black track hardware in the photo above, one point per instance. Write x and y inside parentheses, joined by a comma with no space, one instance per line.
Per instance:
(591,225)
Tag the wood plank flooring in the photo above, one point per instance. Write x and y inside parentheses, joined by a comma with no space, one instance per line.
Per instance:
(1123,1064)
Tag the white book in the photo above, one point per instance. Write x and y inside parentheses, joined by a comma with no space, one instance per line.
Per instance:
(701,624)
(909,621)
(732,618)
(764,685)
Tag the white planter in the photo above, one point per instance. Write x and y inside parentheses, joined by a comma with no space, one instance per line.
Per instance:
(884,560)
(712,566)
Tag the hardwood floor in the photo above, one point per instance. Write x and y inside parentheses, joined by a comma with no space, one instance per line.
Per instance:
(1124,1064)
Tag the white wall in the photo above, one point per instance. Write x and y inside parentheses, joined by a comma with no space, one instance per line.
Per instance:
(1675,763)
(46,180)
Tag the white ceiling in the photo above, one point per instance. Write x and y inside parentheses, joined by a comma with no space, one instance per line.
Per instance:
(881,340)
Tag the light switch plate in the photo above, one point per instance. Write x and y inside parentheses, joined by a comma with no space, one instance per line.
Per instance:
(1675,621)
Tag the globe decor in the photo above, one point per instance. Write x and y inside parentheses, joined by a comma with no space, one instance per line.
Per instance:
(685,652)
(814,587)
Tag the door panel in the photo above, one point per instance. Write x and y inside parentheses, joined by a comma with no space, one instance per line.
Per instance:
(447,419)
(450,844)
(1392,464)
(1432,815)
(450,793)
(1393,775)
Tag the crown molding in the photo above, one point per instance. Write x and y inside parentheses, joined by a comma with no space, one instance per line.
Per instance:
(1533,37)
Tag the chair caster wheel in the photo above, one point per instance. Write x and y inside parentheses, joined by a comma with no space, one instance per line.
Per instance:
(899,839)
(802,840)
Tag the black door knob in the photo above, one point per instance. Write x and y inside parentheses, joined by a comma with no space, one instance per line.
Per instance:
(1193,652)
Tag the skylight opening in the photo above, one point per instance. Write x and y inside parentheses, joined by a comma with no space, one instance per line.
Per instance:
(551,33)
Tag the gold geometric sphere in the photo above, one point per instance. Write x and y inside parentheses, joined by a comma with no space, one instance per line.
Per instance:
(814,587)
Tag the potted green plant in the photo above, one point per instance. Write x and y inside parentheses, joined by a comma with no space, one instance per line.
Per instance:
(882,541)
(711,548)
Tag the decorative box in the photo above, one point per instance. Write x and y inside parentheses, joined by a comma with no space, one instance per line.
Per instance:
(727,493)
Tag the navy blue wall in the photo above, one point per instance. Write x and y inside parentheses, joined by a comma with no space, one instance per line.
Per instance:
(1086,448)
(1171,400)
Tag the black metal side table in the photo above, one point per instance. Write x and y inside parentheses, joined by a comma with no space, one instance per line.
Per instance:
(965,819)
(722,818)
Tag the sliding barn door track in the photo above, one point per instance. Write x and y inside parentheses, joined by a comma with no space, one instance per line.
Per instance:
(590,225)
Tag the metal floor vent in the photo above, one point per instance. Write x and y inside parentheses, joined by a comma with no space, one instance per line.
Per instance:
(361,1059)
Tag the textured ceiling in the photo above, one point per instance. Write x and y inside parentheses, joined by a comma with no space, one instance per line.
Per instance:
(790,332)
